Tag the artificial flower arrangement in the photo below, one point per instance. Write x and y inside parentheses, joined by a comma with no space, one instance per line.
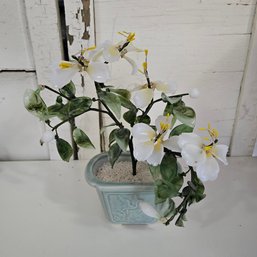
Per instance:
(160,142)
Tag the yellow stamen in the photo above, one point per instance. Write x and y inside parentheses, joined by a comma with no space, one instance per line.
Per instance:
(65,65)
(215,133)
(91,48)
(208,150)
(131,37)
(146,52)
(123,33)
(87,49)
(212,131)
(144,66)
(164,126)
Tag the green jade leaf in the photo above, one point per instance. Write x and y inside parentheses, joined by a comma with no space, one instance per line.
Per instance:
(170,99)
(112,101)
(78,105)
(64,149)
(122,138)
(114,153)
(130,117)
(82,139)
(185,115)
(122,92)
(168,167)
(68,90)
(182,128)
(35,104)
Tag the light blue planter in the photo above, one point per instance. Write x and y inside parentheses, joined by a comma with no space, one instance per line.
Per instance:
(120,200)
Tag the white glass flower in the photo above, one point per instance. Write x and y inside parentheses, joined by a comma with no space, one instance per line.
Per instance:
(148,143)
(201,156)
(145,93)
(149,210)
(114,52)
(63,73)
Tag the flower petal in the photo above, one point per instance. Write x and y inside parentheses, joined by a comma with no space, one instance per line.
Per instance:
(132,63)
(170,87)
(189,138)
(143,97)
(172,144)
(132,48)
(148,209)
(160,86)
(208,170)
(163,123)
(157,155)
(141,132)
(110,52)
(220,152)
(142,150)
(193,154)
(98,71)
(61,77)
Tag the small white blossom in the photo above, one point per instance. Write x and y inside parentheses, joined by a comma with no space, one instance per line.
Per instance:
(149,144)
(112,52)
(145,93)
(64,71)
(203,157)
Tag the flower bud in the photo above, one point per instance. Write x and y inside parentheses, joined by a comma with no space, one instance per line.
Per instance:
(148,210)
(194,93)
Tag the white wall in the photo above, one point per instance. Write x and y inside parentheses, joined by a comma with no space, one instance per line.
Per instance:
(201,44)
(197,43)
(18,129)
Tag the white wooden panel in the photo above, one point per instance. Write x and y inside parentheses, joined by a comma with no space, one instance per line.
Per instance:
(44,28)
(245,132)
(79,17)
(15,48)
(196,43)
(20,132)
(42,16)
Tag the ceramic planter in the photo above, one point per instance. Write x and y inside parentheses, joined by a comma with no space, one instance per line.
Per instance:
(120,201)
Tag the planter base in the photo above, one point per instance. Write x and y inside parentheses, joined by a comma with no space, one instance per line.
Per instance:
(120,200)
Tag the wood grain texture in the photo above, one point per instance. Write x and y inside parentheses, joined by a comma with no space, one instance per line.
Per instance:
(42,16)
(245,131)
(80,28)
(44,30)
(199,44)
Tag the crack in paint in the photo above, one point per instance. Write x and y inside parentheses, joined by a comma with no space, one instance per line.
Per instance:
(85,15)
(70,37)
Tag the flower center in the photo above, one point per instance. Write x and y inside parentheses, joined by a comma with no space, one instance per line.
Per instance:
(208,150)
(164,126)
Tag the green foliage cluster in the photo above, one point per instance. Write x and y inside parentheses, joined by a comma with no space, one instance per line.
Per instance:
(168,176)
